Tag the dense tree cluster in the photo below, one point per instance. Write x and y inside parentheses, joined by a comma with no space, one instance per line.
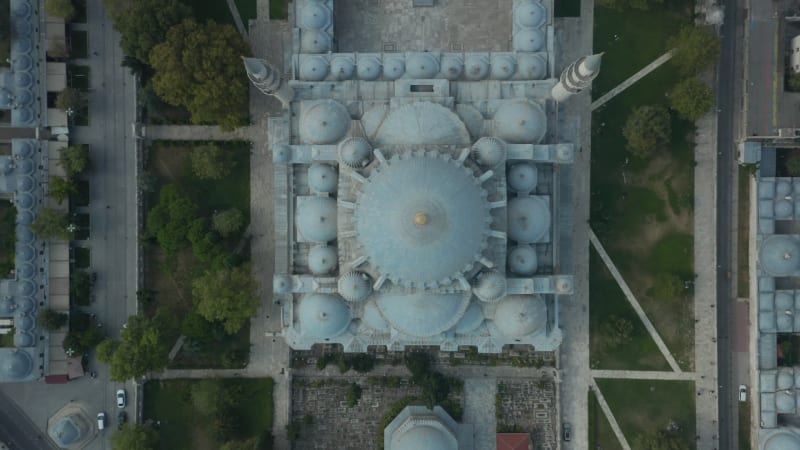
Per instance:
(60,8)
(629,4)
(692,98)
(211,162)
(143,347)
(227,296)
(647,128)
(51,224)
(74,160)
(71,100)
(135,436)
(696,49)
(169,219)
(52,320)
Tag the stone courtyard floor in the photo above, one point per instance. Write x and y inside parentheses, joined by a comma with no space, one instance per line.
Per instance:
(529,405)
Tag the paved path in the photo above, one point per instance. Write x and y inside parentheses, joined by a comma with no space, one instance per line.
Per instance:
(252,133)
(633,79)
(610,416)
(479,410)
(644,375)
(237,18)
(634,303)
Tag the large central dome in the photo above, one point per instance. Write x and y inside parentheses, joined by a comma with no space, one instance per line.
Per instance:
(422,219)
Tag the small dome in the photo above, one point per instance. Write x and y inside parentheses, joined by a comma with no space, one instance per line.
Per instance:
(530,15)
(25,183)
(24,323)
(503,67)
(783,209)
(324,122)
(21,45)
(15,365)
(517,316)
(24,252)
(314,16)
(355,152)
(22,116)
(425,437)
(422,314)
(313,68)
(421,65)
(372,317)
(784,323)
(21,9)
(342,67)
(355,286)
(472,319)
(24,217)
(322,178)
(22,63)
(528,40)
(783,301)
(24,234)
(316,219)
(26,305)
(523,260)
(24,200)
(783,187)
(25,167)
(25,149)
(25,270)
(783,440)
(784,402)
(523,177)
(491,287)
(281,284)
(393,68)
(23,339)
(281,153)
(322,259)
(785,379)
(24,97)
(23,80)
(25,288)
(528,219)
(23,27)
(476,67)
(323,316)
(489,151)
(452,66)
(780,256)
(368,68)
(314,41)
(520,122)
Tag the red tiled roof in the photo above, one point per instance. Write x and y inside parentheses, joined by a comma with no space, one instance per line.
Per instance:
(513,441)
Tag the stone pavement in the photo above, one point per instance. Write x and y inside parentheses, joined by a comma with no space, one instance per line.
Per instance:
(644,375)
(658,62)
(253,133)
(479,410)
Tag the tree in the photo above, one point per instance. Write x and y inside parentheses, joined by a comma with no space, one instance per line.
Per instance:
(143,23)
(71,100)
(80,287)
(144,346)
(205,242)
(692,98)
(194,326)
(626,4)
(794,82)
(51,224)
(353,394)
(210,397)
(249,444)
(647,128)
(82,341)
(52,320)
(62,188)
(74,160)
(148,181)
(210,162)
(168,221)
(105,350)
(210,84)
(227,296)
(135,436)
(60,8)
(696,49)
(667,286)
(616,331)
(793,165)
(228,222)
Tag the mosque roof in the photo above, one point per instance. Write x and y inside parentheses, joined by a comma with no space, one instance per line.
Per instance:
(323,315)
(354,286)
(520,315)
(528,219)
(427,437)
(530,14)
(322,259)
(324,122)
(523,260)
(489,151)
(422,314)
(780,255)
(422,123)
(783,441)
(522,177)
(355,152)
(322,177)
(316,218)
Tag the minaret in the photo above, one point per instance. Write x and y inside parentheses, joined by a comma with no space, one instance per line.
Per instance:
(576,77)
(267,79)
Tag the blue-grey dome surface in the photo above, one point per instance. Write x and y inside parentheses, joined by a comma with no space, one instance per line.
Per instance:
(783,441)
(368,68)
(322,259)
(355,152)
(314,16)
(313,68)
(422,219)
(422,123)
(522,177)
(393,68)
(491,286)
(15,364)
(520,122)
(528,40)
(372,317)
(24,200)
(24,252)
(25,183)
(23,339)
(24,217)
(422,314)
(523,260)
(26,304)
(314,41)
(421,65)
(528,219)
(517,316)
(324,122)
(472,319)
(783,209)
(316,219)
(489,151)
(25,287)
(343,67)
(476,67)
(323,316)
(530,14)
(322,177)
(24,234)
(423,436)
(503,67)
(452,67)
(354,286)
(531,67)
(23,322)
(780,255)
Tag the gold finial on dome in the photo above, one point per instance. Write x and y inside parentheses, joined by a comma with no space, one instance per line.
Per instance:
(421,219)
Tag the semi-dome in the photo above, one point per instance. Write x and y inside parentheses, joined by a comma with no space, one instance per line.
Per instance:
(421,65)
(25,304)
(393,68)
(23,339)
(343,67)
(523,260)
(476,67)
(780,256)
(355,152)
(422,314)
(322,259)
(314,16)
(528,219)
(783,440)
(520,122)
(314,41)
(322,177)
(422,220)
(316,219)
(423,436)
(25,270)
(528,40)
(25,287)
(281,284)
(25,183)
(491,286)
(783,187)
(530,14)
(313,68)
(372,317)
(24,252)
(324,122)
(785,379)
(784,402)
(24,200)
(489,151)
(471,320)
(503,67)
(24,217)
(422,123)
(15,365)
(354,286)
(452,66)
(23,322)
(783,209)
(24,234)
(783,301)
(522,177)
(517,316)
(368,68)
(323,316)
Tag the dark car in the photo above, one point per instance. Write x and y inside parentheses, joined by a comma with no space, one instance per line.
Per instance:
(122,417)
(566,432)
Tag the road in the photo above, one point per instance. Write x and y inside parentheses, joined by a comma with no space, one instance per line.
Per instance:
(17,430)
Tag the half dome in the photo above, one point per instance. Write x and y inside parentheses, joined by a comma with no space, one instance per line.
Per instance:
(491,286)
(452,67)
(23,339)
(422,314)
(354,286)
(423,436)
(323,316)
(355,152)
(372,317)
(314,16)
(471,320)
(421,123)
(528,219)
(489,151)
(316,219)
(518,316)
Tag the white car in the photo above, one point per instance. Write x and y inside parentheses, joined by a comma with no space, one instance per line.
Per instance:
(121,398)
(742,393)
(101,421)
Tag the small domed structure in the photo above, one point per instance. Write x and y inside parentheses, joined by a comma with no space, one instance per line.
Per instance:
(25,270)
(24,200)
(26,304)
(452,66)
(25,287)
(528,219)
(323,316)
(784,402)
(23,322)
(24,97)
(15,365)
(24,217)
(785,379)
(24,116)
(23,339)
(368,68)
(355,152)
(355,286)
(281,153)
(24,252)
(520,122)
(324,122)
(314,41)
(322,259)
(783,187)
(24,234)
(523,177)
(25,149)
(421,65)
(343,67)
(25,183)
(779,256)
(530,14)
(489,151)
(322,177)
(313,68)
(783,440)
(491,287)
(23,79)
(783,209)
(25,167)
(783,301)
(523,260)
(281,284)
(314,16)
(528,40)
(22,63)
(476,67)
(316,219)
(393,68)
(503,67)
(518,316)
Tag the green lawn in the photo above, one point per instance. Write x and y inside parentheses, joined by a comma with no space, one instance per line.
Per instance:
(8,238)
(743,236)
(82,197)
(83,257)
(279,10)
(567,8)
(80,11)
(79,47)
(7,339)
(600,433)
(78,77)
(182,428)
(645,407)
(247,10)
(215,10)
(226,351)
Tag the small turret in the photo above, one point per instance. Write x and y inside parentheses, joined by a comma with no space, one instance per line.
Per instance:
(266,78)
(577,77)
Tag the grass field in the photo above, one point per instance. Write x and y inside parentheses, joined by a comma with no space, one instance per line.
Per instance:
(8,238)
(247,10)
(600,433)
(215,10)
(83,257)
(644,407)
(743,243)
(279,10)
(567,8)
(79,44)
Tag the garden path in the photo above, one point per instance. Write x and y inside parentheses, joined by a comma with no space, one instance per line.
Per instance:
(658,62)
(237,18)
(610,416)
(644,375)
(253,133)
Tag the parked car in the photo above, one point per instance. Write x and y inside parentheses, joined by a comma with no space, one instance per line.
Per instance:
(742,393)
(566,432)
(121,398)
(101,420)
(122,417)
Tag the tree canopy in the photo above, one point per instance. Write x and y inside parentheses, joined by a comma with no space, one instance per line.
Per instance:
(135,436)
(170,218)
(80,287)
(210,162)
(60,8)
(249,444)
(105,350)
(227,296)
(228,222)
(210,84)
(74,160)
(626,4)
(143,23)
(71,100)
(62,188)
(647,128)
(52,320)
(696,49)
(793,165)
(51,224)
(692,98)
(794,82)
(144,346)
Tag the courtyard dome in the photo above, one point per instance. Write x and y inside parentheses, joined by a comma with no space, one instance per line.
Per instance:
(531,67)
(23,339)
(530,14)
(503,67)
(783,440)
(24,234)
(372,317)
(314,41)
(314,15)
(324,122)
(355,286)
(281,153)
(323,316)
(21,9)
(421,65)
(25,287)
(422,220)
(23,322)
(342,67)
(322,259)
(452,66)
(783,209)
(24,97)
(15,365)
(322,178)
(780,256)
(26,304)
(24,217)
(783,187)
(476,67)
(24,252)
(491,286)
(523,260)
(25,183)
(281,284)
(785,380)
(23,80)
(422,123)
(522,177)
(784,402)
(393,68)
(489,151)
(316,219)
(528,40)
(423,436)
(368,68)
(313,68)
(25,167)
(22,63)
(24,200)
(528,219)
(517,316)
(25,270)
(355,152)
(520,122)
(421,314)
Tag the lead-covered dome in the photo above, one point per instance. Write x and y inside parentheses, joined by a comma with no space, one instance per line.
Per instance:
(393,68)
(528,40)
(313,68)
(528,219)
(476,67)
(452,66)
(342,67)
(322,177)
(322,259)
(323,316)
(489,151)
(355,152)
(324,122)
(354,286)
(503,66)
(23,339)
(522,177)
(491,286)
(530,14)
(780,256)
(422,220)
(783,440)
(523,260)
(368,68)
(421,65)
(316,219)
(422,314)
(531,67)
(520,122)
(423,436)
(314,16)
(15,365)
(518,316)
(314,41)
(422,123)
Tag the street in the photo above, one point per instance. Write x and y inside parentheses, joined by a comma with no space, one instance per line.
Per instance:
(18,431)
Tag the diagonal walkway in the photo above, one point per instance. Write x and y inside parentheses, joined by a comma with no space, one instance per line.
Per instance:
(658,62)
(237,18)
(632,300)
(610,416)
(644,375)
(252,133)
